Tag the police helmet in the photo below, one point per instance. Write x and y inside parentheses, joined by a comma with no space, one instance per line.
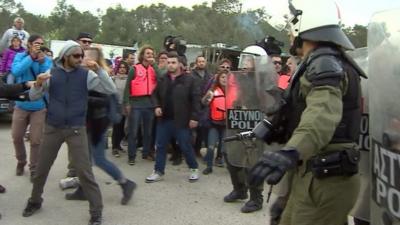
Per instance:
(317,21)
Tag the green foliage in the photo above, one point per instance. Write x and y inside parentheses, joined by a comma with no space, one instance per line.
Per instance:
(357,35)
(223,22)
(67,22)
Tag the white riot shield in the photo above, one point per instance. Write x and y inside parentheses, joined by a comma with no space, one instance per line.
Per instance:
(248,96)
(384,109)
(362,207)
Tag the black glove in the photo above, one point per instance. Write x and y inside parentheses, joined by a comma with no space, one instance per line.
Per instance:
(272,167)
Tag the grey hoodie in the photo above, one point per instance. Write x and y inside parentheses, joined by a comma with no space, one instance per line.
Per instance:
(98,81)
(9,34)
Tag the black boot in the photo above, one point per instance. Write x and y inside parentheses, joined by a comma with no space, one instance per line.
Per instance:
(76,195)
(360,222)
(31,208)
(127,191)
(236,195)
(95,220)
(277,209)
(2,189)
(72,173)
(177,161)
(255,203)
(207,170)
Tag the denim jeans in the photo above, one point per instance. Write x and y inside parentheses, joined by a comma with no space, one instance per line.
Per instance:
(98,152)
(215,135)
(137,117)
(165,131)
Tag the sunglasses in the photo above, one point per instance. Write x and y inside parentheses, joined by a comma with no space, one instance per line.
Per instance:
(38,43)
(277,62)
(77,56)
(225,67)
(86,42)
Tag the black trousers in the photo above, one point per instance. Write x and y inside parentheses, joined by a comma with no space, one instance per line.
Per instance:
(118,134)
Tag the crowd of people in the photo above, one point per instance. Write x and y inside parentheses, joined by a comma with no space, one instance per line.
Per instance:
(158,103)
(153,101)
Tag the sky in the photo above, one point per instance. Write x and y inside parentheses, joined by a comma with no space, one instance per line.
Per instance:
(352,11)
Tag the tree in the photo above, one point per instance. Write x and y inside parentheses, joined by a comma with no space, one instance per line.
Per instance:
(67,22)
(118,27)
(357,35)
(8,11)
(227,6)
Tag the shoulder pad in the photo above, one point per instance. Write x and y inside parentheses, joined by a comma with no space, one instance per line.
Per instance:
(325,70)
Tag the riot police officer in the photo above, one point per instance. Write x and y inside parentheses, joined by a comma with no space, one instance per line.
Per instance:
(319,123)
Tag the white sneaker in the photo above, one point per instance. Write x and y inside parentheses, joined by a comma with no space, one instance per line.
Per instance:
(194,175)
(154,177)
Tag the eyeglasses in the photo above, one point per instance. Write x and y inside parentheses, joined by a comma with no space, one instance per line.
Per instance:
(86,41)
(225,67)
(277,63)
(77,56)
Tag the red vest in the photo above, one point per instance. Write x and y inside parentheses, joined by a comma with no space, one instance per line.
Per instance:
(217,105)
(283,81)
(232,90)
(144,82)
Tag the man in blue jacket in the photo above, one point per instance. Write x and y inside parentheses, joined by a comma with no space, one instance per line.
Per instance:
(26,66)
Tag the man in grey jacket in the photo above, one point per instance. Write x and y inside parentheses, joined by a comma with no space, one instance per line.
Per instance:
(16,31)
(67,85)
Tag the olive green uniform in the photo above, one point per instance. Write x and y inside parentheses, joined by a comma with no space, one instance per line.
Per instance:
(315,201)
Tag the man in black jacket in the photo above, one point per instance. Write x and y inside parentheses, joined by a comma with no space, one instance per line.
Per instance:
(13,92)
(177,102)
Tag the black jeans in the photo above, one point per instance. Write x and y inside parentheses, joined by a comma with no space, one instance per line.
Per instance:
(118,134)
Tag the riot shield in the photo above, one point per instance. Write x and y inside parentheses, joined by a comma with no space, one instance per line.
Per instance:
(248,96)
(362,206)
(384,109)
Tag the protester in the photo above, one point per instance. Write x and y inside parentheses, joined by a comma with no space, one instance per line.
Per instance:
(26,67)
(292,63)
(16,31)
(162,62)
(8,58)
(177,102)
(141,82)
(85,40)
(202,77)
(97,124)
(119,129)
(68,98)
(130,59)
(215,98)
(13,92)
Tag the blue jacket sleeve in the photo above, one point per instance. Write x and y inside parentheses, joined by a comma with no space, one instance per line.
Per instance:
(21,63)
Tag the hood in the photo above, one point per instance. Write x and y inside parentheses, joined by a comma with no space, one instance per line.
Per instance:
(69,45)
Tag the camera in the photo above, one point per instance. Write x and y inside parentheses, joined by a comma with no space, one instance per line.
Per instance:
(271,45)
(175,43)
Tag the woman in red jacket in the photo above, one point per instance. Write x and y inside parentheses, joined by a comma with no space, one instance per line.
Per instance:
(215,98)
